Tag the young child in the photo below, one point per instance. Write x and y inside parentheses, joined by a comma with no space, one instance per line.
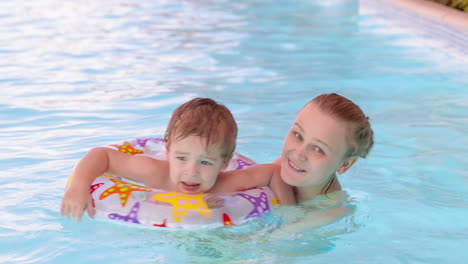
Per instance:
(200,140)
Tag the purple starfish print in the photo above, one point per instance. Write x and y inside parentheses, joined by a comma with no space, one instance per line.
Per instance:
(260,204)
(142,141)
(132,217)
(242,164)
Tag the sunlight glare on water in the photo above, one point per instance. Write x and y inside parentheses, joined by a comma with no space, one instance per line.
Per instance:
(79,74)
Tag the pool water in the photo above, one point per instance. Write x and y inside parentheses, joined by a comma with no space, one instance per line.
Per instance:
(78,74)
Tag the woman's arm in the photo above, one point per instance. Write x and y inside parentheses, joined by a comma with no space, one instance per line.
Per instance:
(316,218)
(323,212)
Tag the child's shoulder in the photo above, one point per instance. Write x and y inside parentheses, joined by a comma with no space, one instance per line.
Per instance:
(255,170)
(264,166)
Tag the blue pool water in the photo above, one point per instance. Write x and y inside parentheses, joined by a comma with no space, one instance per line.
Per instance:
(78,74)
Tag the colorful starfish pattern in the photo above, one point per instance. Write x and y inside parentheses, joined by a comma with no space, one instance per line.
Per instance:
(260,204)
(128,149)
(124,189)
(70,179)
(242,164)
(94,187)
(132,217)
(227,220)
(142,141)
(274,201)
(182,203)
(161,225)
(209,210)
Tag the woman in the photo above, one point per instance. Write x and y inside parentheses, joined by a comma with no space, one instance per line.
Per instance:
(328,136)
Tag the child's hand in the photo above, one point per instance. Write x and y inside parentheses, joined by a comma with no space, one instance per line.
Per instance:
(74,202)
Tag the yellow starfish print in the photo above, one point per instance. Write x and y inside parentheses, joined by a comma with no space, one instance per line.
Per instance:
(70,179)
(182,202)
(273,201)
(124,189)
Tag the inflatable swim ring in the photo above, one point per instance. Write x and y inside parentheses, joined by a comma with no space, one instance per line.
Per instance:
(118,199)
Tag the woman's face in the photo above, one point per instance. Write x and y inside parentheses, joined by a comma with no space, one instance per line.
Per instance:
(314,149)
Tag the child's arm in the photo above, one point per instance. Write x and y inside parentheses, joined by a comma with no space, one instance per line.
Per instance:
(257,175)
(277,161)
(98,161)
(237,180)
(283,191)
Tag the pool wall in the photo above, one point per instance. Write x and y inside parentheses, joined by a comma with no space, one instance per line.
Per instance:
(426,19)
(432,11)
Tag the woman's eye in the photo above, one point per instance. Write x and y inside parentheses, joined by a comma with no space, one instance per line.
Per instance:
(318,150)
(205,162)
(298,136)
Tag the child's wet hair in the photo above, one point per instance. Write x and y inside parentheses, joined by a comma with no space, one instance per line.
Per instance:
(361,136)
(206,118)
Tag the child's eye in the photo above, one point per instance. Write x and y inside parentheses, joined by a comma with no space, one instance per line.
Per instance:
(205,162)
(181,158)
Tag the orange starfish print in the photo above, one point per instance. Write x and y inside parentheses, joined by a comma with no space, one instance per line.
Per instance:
(127,149)
(124,189)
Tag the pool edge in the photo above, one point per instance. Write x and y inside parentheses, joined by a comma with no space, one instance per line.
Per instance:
(434,11)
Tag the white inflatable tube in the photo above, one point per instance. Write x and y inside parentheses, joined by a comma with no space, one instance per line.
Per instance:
(118,199)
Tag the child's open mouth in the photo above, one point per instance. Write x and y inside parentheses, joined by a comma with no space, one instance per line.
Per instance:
(190,187)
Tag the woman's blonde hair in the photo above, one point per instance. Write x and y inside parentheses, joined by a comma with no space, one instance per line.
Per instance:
(361,136)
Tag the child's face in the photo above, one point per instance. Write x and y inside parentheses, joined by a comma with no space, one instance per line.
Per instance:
(193,168)
(314,148)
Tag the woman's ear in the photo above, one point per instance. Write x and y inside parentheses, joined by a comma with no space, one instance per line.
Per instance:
(347,164)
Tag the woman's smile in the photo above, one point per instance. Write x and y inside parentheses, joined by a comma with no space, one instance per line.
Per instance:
(295,168)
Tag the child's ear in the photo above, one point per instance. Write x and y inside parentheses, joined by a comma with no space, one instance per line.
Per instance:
(347,164)
(226,162)
(225,165)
